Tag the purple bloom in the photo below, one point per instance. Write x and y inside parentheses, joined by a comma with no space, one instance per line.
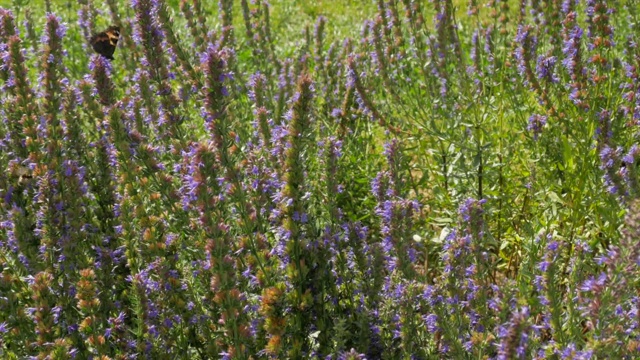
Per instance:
(608,157)
(431,321)
(471,209)
(630,157)
(527,44)
(536,124)
(545,68)
(572,60)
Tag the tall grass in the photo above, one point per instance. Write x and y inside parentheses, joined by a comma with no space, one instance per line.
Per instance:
(441,185)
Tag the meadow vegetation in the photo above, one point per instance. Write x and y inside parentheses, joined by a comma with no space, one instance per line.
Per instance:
(394,179)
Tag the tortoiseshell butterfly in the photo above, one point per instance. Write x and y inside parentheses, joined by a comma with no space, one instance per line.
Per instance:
(104,43)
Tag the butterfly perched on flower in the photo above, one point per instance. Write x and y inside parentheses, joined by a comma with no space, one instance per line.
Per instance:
(104,43)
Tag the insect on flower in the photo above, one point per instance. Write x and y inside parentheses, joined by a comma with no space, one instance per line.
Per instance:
(104,43)
(23,174)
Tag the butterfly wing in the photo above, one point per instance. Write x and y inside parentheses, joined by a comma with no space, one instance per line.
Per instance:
(105,43)
(113,40)
(100,43)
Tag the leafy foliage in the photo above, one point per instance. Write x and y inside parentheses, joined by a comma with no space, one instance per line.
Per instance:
(251,181)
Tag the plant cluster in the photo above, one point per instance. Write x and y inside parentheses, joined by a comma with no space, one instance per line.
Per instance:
(445,185)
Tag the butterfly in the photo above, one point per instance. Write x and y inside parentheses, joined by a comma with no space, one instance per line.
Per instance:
(104,43)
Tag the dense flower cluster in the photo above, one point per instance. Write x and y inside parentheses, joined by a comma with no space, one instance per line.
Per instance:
(438,188)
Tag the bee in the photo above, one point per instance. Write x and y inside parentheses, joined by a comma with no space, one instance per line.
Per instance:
(104,43)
